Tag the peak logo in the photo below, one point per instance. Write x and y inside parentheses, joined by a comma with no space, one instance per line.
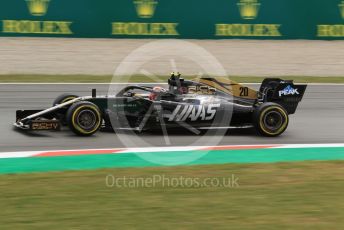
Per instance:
(249,9)
(145,8)
(288,91)
(38,7)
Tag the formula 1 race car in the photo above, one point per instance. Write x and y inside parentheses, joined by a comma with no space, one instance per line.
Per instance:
(204,103)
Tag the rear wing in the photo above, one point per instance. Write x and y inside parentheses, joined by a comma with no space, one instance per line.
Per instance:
(283,92)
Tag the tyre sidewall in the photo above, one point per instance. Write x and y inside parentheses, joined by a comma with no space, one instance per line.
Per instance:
(75,110)
(61,113)
(64,98)
(261,111)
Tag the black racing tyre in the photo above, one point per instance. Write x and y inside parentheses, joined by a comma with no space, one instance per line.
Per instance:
(61,114)
(64,98)
(84,118)
(270,119)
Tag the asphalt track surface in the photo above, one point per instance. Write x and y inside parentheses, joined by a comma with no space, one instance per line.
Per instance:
(319,119)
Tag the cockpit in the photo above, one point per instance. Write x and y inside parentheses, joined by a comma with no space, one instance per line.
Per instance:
(177,86)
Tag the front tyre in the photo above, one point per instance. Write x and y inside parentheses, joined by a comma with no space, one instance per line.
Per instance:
(61,113)
(270,119)
(84,118)
(64,98)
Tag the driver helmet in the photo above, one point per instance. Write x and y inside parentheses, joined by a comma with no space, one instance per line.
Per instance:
(155,92)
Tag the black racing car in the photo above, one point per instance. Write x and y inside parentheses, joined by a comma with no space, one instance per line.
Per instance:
(205,103)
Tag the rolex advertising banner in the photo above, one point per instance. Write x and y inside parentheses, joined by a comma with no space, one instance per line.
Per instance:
(196,19)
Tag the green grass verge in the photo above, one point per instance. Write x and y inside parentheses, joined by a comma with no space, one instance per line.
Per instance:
(302,195)
(142,78)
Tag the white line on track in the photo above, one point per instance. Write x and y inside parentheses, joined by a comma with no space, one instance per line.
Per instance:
(296,146)
(24,154)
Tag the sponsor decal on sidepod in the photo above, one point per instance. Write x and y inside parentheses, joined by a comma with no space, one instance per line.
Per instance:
(194,112)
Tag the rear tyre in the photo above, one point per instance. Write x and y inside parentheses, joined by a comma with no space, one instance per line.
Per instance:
(84,118)
(270,119)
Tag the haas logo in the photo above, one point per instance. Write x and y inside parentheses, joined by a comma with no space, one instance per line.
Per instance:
(194,112)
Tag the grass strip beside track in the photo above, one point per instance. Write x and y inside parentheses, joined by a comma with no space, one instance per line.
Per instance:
(27,78)
(294,195)
(123,160)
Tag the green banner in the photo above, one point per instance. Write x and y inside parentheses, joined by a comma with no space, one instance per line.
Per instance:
(196,19)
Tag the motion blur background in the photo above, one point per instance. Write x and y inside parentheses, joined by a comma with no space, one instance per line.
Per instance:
(249,37)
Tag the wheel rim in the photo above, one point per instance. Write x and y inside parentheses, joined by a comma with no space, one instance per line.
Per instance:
(273,120)
(87,119)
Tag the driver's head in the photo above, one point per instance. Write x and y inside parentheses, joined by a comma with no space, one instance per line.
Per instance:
(175,75)
(156,91)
